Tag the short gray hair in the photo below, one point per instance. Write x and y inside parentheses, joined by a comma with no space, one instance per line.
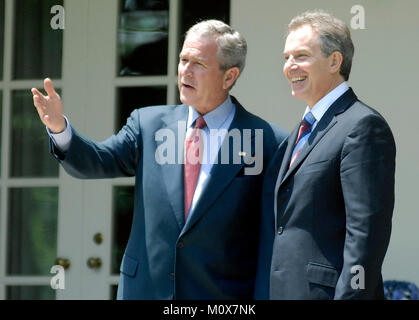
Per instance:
(232,46)
(334,36)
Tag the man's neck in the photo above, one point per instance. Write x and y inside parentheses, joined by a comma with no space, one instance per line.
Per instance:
(332,87)
(215,104)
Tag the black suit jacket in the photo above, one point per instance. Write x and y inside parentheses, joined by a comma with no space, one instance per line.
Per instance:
(327,219)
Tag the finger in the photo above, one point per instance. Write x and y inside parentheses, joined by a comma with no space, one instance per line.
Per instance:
(46,119)
(40,98)
(36,92)
(38,102)
(43,115)
(49,88)
(40,110)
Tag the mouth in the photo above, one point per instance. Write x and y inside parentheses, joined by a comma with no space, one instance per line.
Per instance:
(298,80)
(187,86)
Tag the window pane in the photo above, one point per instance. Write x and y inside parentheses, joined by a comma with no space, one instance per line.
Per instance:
(37,46)
(30,293)
(131,98)
(29,154)
(32,230)
(2,18)
(123,207)
(143,37)
(192,11)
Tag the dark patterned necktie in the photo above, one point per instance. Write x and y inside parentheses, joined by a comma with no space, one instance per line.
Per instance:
(303,135)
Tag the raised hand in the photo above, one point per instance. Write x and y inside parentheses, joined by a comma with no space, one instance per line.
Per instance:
(50,107)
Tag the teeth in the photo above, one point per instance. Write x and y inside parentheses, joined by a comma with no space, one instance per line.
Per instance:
(298,79)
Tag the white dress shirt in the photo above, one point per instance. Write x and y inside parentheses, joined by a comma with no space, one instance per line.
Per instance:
(320,108)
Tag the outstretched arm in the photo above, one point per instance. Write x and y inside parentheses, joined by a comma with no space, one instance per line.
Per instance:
(84,158)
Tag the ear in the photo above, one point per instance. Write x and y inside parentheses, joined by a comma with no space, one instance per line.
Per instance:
(335,62)
(230,77)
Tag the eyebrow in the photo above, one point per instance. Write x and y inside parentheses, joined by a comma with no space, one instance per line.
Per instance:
(297,51)
(197,59)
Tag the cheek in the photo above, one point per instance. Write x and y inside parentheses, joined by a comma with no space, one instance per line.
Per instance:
(179,67)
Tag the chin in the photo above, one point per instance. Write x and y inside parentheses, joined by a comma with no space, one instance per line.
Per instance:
(296,95)
(187,101)
(183,98)
(299,94)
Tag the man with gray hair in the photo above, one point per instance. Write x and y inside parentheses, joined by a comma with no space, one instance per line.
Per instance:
(326,227)
(194,232)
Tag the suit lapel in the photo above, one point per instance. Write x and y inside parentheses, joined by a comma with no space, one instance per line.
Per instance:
(221,174)
(315,137)
(325,124)
(287,156)
(173,173)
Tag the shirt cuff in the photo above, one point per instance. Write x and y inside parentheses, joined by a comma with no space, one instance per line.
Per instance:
(62,140)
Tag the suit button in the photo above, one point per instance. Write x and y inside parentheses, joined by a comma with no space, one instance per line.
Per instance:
(172,276)
(280,230)
(180,244)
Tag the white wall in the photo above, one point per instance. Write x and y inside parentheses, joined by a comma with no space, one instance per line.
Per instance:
(384,75)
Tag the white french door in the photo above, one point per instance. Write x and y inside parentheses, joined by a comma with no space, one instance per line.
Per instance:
(111,57)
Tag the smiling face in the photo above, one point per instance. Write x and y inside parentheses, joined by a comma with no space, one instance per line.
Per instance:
(202,84)
(310,74)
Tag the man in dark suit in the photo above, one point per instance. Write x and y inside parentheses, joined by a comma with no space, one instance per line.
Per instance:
(327,207)
(194,233)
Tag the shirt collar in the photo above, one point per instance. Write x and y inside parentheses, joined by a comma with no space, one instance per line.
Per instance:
(215,118)
(320,108)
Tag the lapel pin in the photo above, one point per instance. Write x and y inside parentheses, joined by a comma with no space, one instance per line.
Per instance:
(242,154)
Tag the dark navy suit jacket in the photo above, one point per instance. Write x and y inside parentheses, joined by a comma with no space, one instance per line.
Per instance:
(214,255)
(329,232)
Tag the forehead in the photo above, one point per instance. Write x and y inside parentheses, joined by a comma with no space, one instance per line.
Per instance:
(200,46)
(303,37)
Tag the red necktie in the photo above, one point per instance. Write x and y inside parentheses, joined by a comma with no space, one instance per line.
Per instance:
(192,162)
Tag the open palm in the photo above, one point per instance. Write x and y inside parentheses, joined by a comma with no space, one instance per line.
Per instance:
(50,107)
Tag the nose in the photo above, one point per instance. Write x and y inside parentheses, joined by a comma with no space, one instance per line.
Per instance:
(290,64)
(186,69)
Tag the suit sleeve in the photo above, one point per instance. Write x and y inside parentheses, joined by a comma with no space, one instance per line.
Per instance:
(115,157)
(367,177)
